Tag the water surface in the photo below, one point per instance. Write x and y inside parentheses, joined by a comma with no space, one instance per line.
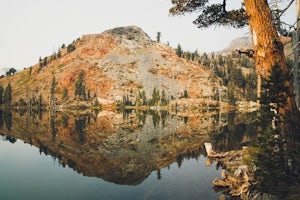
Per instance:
(148,155)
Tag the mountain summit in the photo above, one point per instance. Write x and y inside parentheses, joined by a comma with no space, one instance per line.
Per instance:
(131,36)
(119,62)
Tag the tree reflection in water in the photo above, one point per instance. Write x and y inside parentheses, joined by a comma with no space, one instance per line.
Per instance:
(7,116)
(126,147)
(80,125)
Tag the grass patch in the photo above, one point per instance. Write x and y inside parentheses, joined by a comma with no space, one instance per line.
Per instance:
(153,70)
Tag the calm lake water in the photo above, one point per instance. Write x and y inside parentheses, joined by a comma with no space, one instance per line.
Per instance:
(106,155)
(27,174)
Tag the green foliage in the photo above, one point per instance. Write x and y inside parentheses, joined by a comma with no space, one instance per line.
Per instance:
(22,102)
(241,86)
(275,89)
(96,102)
(204,60)
(236,76)
(80,86)
(155,97)
(53,86)
(153,70)
(53,56)
(65,120)
(80,125)
(231,94)
(1,94)
(210,14)
(59,54)
(164,99)
(40,62)
(179,50)
(7,98)
(70,48)
(127,101)
(184,95)
(65,93)
(141,99)
(158,36)
(40,101)
(45,61)
(11,71)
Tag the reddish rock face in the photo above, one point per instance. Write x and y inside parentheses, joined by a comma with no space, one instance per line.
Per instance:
(118,62)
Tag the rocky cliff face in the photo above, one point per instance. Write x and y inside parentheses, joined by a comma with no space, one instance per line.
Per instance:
(118,62)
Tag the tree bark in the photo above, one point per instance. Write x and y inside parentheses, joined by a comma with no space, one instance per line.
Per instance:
(267,44)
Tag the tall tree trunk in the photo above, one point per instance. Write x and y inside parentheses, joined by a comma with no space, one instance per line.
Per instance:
(267,44)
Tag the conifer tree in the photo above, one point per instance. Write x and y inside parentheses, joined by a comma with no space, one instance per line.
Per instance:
(45,61)
(7,98)
(158,36)
(80,86)
(65,94)
(264,24)
(179,50)
(1,94)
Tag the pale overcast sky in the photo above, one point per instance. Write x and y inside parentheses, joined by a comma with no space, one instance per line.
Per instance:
(34,28)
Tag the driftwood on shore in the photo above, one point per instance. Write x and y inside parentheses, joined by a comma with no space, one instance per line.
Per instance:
(238,181)
(211,153)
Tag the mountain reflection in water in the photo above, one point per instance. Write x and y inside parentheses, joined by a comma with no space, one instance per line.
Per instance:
(127,148)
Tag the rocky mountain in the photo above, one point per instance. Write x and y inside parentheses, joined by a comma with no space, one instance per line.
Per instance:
(243,43)
(116,63)
(238,43)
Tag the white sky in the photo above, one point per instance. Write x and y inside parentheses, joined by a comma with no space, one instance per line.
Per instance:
(33,28)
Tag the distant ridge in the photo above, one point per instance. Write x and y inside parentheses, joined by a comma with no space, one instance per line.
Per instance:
(238,43)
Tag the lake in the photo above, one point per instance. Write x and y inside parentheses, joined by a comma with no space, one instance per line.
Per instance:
(108,155)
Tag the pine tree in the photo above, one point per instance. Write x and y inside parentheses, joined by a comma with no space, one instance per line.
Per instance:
(53,85)
(158,36)
(1,94)
(164,100)
(40,62)
(80,87)
(52,93)
(155,97)
(276,90)
(59,54)
(45,62)
(144,98)
(40,101)
(7,98)
(70,48)
(65,94)
(179,50)
(258,15)
(185,94)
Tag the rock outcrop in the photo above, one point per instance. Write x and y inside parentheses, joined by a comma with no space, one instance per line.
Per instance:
(119,62)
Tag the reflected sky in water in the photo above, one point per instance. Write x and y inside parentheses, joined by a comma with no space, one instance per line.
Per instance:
(27,174)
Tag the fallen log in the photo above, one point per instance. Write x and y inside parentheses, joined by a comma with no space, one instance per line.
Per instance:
(211,153)
(238,181)
(220,183)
